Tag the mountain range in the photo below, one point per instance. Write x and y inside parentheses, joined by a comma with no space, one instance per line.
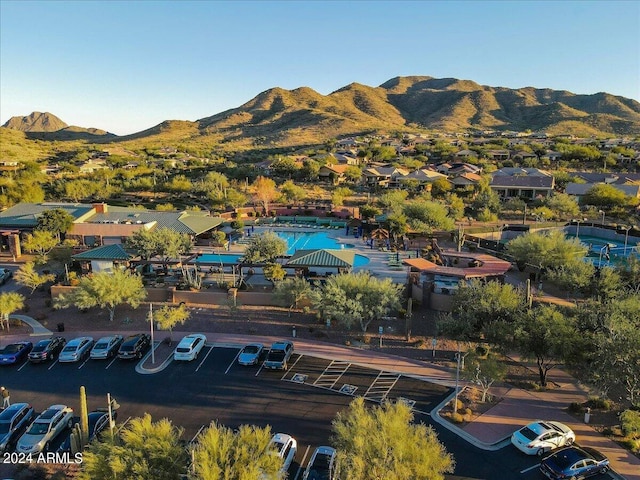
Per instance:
(279,117)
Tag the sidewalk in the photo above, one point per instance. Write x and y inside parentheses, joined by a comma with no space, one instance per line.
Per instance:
(517,408)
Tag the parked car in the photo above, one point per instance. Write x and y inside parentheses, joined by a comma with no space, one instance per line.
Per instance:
(76,349)
(98,421)
(189,347)
(5,275)
(134,346)
(320,466)
(15,353)
(47,349)
(539,437)
(13,422)
(106,347)
(574,462)
(45,428)
(285,446)
(279,355)
(250,354)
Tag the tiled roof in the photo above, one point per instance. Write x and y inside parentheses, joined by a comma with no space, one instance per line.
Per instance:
(106,252)
(26,214)
(322,258)
(526,181)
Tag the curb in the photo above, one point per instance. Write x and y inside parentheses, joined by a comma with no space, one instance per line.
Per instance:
(149,371)
(435,415)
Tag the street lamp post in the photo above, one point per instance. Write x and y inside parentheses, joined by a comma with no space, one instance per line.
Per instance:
(626,238)
(603,214)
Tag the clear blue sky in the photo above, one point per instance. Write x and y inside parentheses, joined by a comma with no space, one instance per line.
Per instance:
(127,66)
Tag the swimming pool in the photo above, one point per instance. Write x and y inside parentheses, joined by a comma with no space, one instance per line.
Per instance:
(604,251)
(224,258)
(316,240)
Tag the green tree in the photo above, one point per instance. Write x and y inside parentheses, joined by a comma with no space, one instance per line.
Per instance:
(383,443)
(563,206)
(353,173)
(143,450)
(292,193)
(235,198)
(179,184)
(162,242)
(604,195)
(441,187)
(274,272)
(351,298)
(477,303)
(551,251)
(542,334)
(105,290)
(339,194)
(56,221)
(10,302)
(264,248)
(426,217)
(28,276)
(483,371)
(369,211)
(168,317)
(292,291)
(220,453)
(393,201)
(40,242)
(455,205)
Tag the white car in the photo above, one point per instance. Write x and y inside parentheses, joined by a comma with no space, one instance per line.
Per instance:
(45,428)
(106,347)
(539,437)
(76,349)
(321,465)
(285,446)
(189,347)
(250,354)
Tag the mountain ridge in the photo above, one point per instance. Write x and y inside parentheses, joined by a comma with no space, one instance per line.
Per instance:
(304,116)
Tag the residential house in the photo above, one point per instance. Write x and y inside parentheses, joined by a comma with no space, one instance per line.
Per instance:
(580,189)
(457,168)
(333,173)
(498,155)
(528,183)
(465,181)
(423,176)
(383,177)
(465,155)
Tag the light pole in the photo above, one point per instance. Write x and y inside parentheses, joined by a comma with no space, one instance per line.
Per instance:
(577,229)
(603,214)
(626,238)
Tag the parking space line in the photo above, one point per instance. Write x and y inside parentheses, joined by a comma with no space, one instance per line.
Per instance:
(83,363)
(52,364)
(286,372)
(260,369)
(205,357)
(111,362)
(22,366)
(301,467)
(193,439)
(530,468)
(332,373)
(232,362)
(123,424)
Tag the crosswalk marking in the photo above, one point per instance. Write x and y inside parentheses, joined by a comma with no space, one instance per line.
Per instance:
(332,374)
(381,386)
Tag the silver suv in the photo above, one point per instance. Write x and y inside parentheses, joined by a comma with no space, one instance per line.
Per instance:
(45,428)
(279,355)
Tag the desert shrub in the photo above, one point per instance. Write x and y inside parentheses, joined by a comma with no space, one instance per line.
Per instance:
(468,412)
(631,444)
(457,418)
(630,422)
(600,403)
(459,405)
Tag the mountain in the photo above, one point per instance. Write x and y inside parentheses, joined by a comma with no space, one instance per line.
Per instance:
(283,118)
(46,126)
(36,122)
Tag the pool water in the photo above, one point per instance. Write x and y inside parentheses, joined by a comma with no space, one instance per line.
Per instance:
(295,241)
(598,253)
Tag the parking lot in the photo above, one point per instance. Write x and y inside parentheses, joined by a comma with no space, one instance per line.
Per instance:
(301,401)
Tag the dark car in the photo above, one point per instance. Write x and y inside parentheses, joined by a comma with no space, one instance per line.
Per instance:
(574,462)
(13,422)
(98,421)
(5,275)
(47,349)
(15,352)
(134,346)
